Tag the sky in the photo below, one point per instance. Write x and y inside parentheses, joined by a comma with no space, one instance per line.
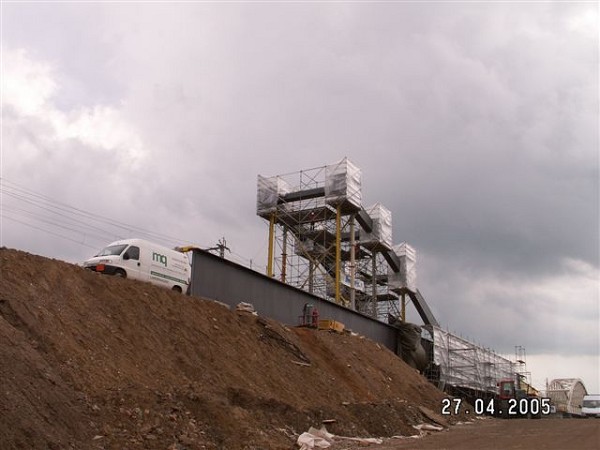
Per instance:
(474,123)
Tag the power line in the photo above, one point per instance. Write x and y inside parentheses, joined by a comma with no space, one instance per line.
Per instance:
(48,204)
(40,208)
(51,221)
(21,193)
(46,231)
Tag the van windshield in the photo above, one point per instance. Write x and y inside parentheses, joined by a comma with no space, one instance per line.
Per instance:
(591,403)
(112,250)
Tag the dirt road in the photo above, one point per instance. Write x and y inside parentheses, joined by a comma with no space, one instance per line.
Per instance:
(492,434)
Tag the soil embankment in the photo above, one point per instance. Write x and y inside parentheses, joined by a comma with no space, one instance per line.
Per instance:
(89,361)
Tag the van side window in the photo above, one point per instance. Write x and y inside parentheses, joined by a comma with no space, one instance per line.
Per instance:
(133,252)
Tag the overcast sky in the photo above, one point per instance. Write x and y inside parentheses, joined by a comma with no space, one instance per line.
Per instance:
(476,124)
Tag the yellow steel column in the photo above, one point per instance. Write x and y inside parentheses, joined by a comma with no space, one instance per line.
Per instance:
(338,253)
(271,245)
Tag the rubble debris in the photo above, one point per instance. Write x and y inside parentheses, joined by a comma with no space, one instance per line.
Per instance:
(246,307)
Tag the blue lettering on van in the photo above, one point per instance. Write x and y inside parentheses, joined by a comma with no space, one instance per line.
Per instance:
(162,259)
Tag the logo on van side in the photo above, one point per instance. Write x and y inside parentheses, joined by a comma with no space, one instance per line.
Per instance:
(159,258)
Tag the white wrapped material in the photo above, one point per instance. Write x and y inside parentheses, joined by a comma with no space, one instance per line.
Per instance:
(407,276)
(343,184)
(268,192)
(463,363)
(382,225)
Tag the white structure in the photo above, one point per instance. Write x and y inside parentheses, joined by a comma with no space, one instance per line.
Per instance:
(465,364)
(343,184)
(407,276)
(382,226)
(269,191)
(567,395)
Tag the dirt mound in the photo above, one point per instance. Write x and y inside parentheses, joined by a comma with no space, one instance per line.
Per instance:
(90,362)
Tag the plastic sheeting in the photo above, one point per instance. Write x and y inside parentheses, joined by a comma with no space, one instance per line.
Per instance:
(407,276)
(314,439)
(268,192)
(343,184)
(463,363)
(382,225)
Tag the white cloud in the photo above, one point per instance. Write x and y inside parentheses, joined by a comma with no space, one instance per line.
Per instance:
(80,156)
(29,87)
(100,127)
(585,21)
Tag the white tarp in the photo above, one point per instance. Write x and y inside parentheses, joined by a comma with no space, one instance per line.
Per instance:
(343,184)
(315,439)
(382,225)
(407,276)
(463,363)
(268,192)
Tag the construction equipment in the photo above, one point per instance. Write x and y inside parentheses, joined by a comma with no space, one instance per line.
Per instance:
(517,399)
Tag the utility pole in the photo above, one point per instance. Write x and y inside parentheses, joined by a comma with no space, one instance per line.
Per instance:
(221,247)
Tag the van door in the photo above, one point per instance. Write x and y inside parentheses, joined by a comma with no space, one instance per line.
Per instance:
(132,262)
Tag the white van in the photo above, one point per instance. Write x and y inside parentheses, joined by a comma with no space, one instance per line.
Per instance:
(142,260)
(591,406)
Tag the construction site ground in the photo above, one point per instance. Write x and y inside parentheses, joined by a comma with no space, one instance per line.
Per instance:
(499,434)
(89,361)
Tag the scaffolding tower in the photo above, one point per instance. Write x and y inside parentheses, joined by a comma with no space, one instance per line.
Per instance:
(521,372)
(322,240)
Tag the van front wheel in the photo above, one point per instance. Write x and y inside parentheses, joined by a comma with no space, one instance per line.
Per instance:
(120,273)
(177,289)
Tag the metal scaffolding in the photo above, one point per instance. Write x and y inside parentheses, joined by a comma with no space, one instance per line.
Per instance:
(322,240)
(463,364)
